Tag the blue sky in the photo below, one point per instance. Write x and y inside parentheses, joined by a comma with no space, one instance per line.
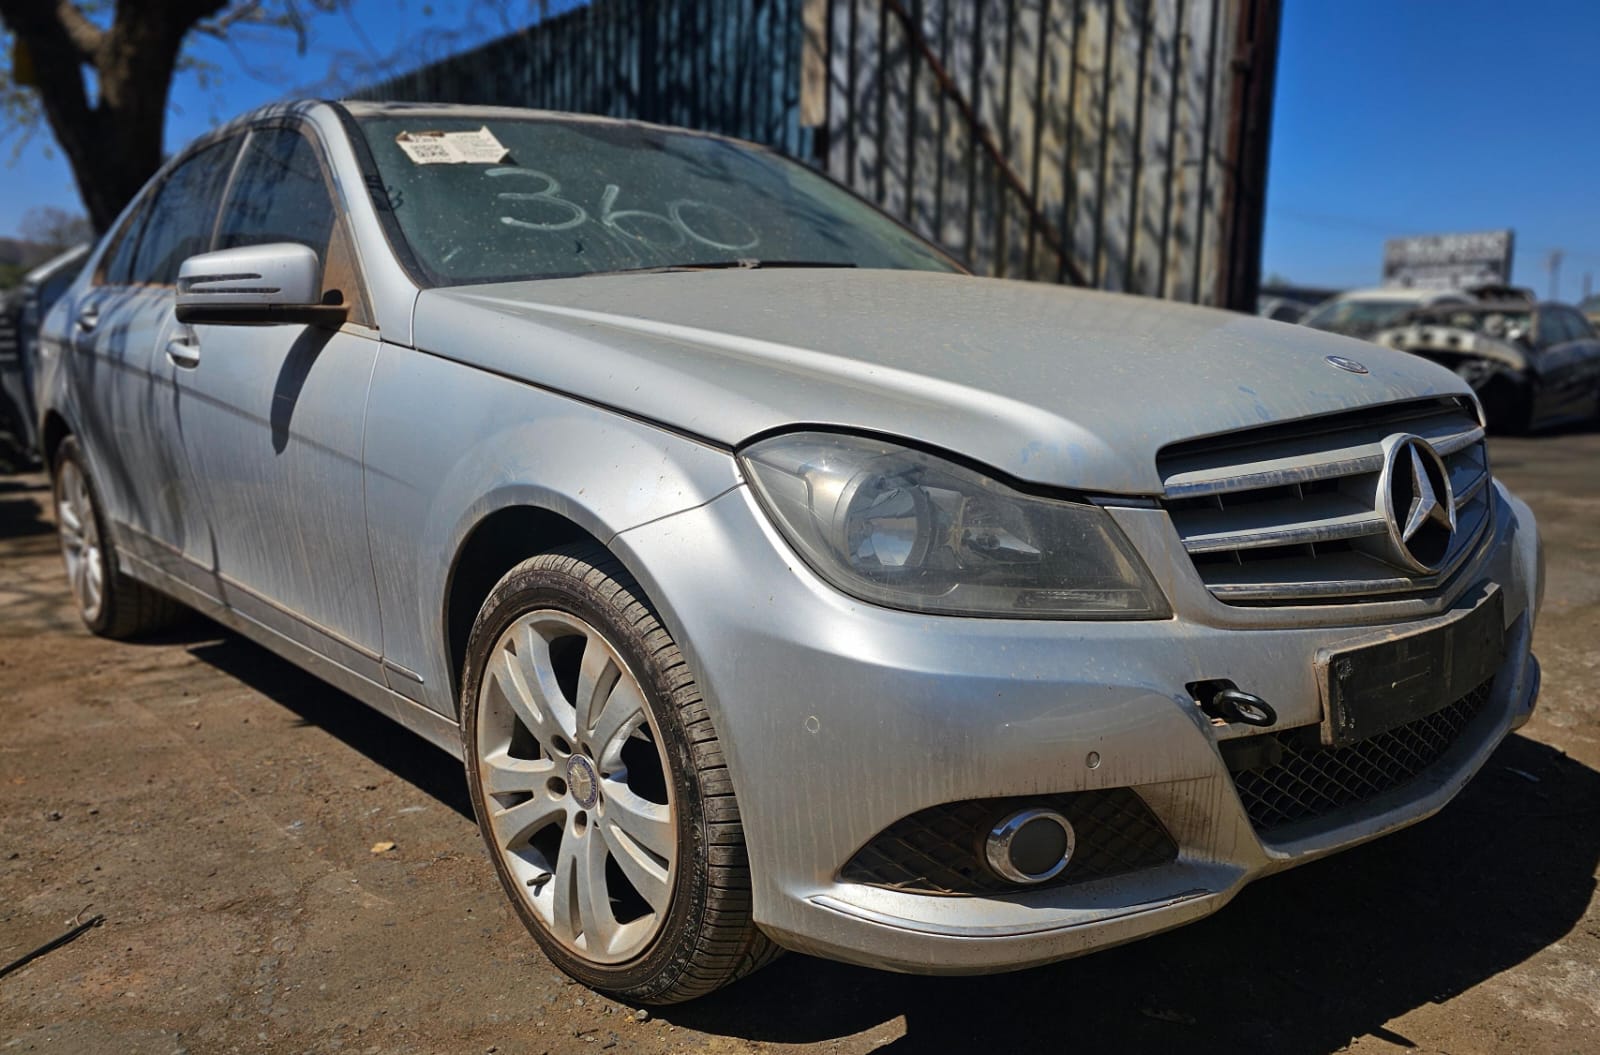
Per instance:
(1392,117)
(1396,118)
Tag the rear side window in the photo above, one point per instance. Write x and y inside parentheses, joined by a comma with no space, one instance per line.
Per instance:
(182,214)
(1578,328)
(281,194)
(116,267)
(1553,328)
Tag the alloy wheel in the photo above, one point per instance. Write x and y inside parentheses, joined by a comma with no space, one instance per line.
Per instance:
(576,786)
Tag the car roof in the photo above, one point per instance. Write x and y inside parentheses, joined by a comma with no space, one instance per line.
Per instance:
(55,263)
(1487,306)
(473,111)
(1402,293)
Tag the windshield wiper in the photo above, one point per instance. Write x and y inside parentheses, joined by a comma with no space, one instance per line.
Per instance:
(746,264)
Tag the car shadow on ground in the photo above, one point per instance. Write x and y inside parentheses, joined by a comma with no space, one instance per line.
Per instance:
(22,503)
(1302,961)
(315,703)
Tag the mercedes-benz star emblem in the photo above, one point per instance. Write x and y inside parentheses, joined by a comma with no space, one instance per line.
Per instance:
(1346,364)
(1417,504)
(582,781)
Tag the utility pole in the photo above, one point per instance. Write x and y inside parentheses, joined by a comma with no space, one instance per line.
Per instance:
(1552,264)
(1588,284)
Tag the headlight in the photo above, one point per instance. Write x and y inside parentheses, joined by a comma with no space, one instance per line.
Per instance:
(909,530)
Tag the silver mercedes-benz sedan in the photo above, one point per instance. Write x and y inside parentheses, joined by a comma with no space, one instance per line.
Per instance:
(780,584)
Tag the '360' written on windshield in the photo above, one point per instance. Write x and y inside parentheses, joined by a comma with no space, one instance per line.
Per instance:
(551,197)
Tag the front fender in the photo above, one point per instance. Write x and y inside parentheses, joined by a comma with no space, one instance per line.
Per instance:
(448,445)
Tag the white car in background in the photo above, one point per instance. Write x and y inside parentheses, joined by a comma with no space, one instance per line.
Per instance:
(1363,312)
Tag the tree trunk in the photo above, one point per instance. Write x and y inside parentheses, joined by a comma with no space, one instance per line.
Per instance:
(114,145)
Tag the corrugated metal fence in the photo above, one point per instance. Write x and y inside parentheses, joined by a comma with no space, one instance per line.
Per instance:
(1113,143)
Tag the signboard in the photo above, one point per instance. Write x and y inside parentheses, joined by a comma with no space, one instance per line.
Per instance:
(1448,261)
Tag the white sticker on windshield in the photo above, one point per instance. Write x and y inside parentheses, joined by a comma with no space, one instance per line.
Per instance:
(452,148)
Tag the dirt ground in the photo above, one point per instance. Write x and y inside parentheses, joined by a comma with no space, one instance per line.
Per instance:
(221,809)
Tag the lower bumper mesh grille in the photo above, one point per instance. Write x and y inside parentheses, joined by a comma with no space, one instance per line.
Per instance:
(1305,779)
(940,850)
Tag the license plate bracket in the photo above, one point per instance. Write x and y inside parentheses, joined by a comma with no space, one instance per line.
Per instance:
(1377,687)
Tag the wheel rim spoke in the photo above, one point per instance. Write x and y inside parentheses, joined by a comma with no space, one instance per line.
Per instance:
(505,775)
(94,574)
(623,712)
(69,518)
(508,675)
(533,648)
(515,824)
(597,678)
(580,911)
(80,574)
(647,824)
(80,541)
(649,876)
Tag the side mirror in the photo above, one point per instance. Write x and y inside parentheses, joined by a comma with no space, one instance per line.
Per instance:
(275,283)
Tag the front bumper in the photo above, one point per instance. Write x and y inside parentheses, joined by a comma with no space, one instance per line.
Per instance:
(839,718)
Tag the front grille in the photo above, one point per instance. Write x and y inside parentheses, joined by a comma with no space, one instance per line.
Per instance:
(940,850)
(1288,513)
(1291,776)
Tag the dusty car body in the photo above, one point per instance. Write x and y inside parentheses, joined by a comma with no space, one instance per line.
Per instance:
(856,606)
(1531,364)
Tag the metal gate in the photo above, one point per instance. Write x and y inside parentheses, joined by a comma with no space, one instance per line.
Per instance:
(1120,144)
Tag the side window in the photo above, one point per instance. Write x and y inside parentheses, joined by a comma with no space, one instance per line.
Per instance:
(116,266)
(281,194)
(182,214)
(1552,328)
(1578,328)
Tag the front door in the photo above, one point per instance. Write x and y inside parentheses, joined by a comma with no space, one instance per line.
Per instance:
(272,422)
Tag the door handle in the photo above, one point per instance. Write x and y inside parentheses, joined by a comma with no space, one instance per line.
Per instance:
(183,353)
(88,319)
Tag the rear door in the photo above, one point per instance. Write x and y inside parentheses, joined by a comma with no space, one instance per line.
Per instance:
(273,416)
(124,381)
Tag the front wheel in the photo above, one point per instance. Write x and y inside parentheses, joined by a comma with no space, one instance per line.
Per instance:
(600,787)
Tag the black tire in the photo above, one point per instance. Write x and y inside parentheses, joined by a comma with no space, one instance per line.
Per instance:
(706,938)
(126,607)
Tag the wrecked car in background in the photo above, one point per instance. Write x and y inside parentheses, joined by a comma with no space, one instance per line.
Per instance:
(1363,312)
(1590,306)
(1532,365)
(21,312)
(780,584)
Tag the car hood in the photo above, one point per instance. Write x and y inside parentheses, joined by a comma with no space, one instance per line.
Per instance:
(1054,386)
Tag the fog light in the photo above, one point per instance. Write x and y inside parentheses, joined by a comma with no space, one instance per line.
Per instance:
(1030,846)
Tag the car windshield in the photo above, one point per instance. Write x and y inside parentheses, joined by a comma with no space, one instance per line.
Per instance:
(494,199)
(1491,322)
(1358,317)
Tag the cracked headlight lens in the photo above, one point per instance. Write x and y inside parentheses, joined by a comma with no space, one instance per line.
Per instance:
(910,530)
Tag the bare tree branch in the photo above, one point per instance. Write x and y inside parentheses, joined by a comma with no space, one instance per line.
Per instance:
(218,27)
(85,36)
